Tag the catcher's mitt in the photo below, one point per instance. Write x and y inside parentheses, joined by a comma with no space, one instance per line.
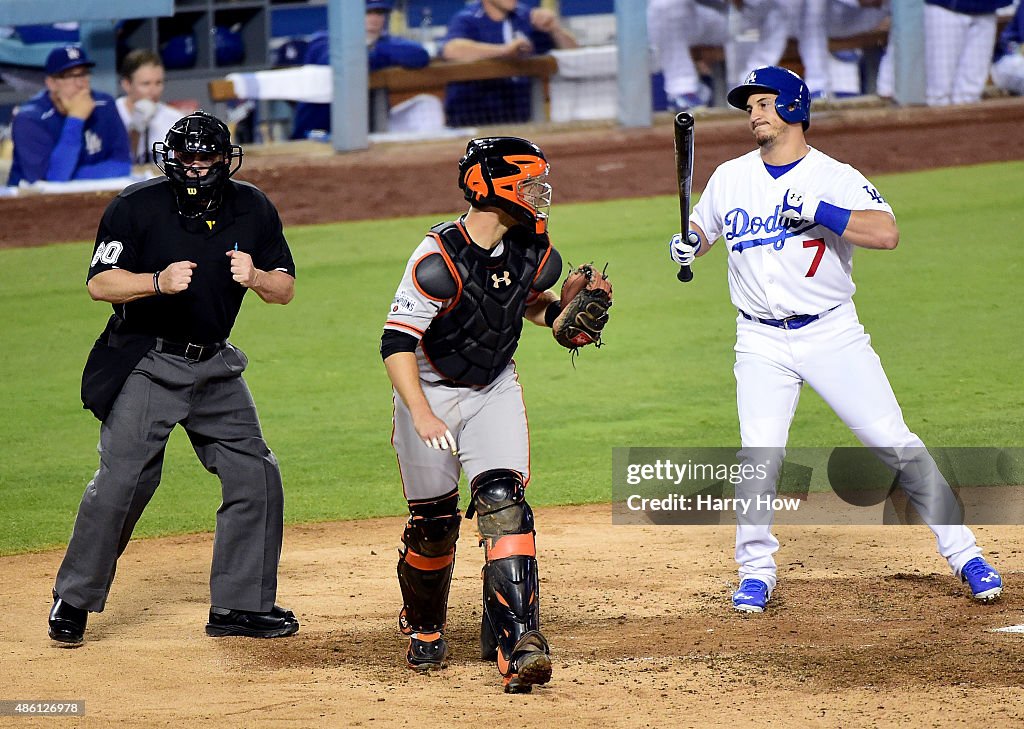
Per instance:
(586,297)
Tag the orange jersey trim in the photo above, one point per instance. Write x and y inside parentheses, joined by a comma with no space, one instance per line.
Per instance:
(547,255)
(526,419)
(403,325)
(451,267)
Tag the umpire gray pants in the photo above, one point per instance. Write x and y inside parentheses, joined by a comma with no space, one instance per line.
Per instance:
(213,404)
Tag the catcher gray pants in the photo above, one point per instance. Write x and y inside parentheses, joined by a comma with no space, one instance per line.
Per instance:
(490,428)
(213,404)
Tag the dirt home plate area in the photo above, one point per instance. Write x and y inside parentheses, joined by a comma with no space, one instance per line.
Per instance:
(867,627)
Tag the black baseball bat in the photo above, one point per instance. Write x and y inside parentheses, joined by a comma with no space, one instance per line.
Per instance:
(683,128)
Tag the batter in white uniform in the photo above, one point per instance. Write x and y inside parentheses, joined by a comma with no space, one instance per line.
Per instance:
(790,217)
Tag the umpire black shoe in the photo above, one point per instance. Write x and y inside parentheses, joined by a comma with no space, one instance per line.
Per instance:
(427,651)
(277,623)
(67,623)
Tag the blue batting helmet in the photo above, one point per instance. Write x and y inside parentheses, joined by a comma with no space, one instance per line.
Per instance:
(793,102)
(179,52)
(386,5)
(229,48)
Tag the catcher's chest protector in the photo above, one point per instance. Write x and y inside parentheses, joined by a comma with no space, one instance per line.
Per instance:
(474,339)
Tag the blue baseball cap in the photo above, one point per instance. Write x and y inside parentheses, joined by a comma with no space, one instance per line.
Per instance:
(61,59)
(386,5)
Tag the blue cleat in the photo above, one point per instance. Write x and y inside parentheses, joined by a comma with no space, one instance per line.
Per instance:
(751,597)
(981,577)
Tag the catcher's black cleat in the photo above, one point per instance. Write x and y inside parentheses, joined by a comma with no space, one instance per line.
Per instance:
(530,665)
(67,623)
(427,652)
(278,623)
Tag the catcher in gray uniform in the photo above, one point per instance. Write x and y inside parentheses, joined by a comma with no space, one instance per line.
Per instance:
(447,345)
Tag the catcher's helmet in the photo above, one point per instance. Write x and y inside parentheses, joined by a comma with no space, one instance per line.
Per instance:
(510,174)
(198,133)
(794,102)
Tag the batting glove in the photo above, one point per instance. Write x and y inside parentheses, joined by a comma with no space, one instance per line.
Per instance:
(683,252)
(797,206)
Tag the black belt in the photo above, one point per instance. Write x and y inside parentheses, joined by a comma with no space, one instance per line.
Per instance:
(790,322)
(190,351)
(450,383)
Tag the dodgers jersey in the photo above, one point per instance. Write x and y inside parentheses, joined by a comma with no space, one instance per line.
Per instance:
(779,269)
(51,146)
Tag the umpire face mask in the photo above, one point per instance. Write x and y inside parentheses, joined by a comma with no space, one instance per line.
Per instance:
(199,159)
(198,179)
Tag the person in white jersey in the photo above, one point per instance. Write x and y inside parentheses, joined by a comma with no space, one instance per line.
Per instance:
(790,217)
(146,118)
(959,37)
(753,33)
(815,22)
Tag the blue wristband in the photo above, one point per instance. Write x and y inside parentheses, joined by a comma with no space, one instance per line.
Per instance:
(832,217)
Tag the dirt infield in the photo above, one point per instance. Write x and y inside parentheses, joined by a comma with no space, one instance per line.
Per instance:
(310,185)
(867,628)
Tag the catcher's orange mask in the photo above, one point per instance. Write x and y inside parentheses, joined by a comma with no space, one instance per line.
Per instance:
(526,188)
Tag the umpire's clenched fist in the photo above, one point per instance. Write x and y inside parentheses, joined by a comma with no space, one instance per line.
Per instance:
(175,278)
(242,269)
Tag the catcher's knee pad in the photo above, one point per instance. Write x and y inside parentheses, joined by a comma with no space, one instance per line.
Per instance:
(499,501)
(511,583)
(426,563)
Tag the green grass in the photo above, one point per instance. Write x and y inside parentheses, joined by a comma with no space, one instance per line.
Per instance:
(943,309)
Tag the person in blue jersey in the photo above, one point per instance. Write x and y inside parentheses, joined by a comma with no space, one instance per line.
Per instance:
(497,29)
(384,50)
(1008,66)
(68,131)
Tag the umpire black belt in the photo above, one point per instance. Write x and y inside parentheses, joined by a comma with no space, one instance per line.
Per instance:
(190,351)
(790,322)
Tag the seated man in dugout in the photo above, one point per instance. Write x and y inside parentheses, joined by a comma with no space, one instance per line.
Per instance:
(68,131)
(497,29)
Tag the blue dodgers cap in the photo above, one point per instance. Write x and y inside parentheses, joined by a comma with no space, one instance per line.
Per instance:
(61,59)
(386,5)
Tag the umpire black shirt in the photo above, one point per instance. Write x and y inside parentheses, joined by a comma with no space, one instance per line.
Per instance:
(142,232)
